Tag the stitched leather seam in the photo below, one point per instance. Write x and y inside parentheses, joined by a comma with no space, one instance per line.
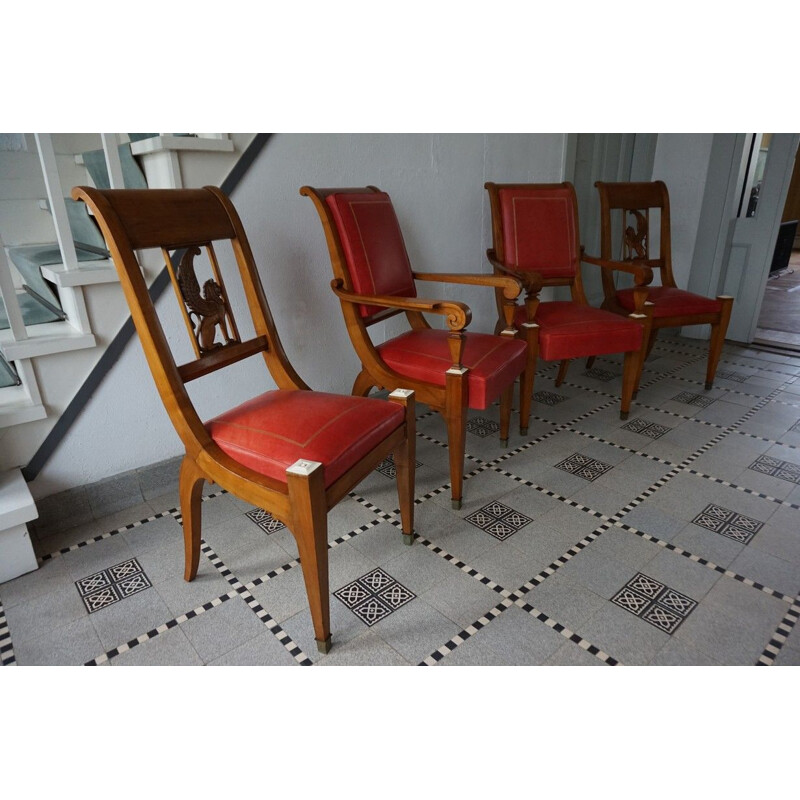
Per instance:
(286,438)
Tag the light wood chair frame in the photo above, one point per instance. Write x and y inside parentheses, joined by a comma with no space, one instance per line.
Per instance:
(178,220)
(642,197)
(451,400)
(533,283)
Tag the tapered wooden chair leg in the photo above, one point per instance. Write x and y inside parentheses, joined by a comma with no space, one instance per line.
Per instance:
(405,463)
(506,399)
(718,332)
(455,413)
(190,488)
(310,517)
(646,319)
(527,378)
(629,370)
(650,342)
(562,371)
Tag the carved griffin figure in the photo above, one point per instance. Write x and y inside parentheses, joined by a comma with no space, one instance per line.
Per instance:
(636,239)
(207,307)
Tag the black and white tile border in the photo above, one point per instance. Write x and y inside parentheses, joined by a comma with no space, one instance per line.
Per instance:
(778,640)
(7,657)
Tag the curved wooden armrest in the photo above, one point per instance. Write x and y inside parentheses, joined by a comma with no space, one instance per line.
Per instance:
(642,273)
(531,281)
(458,314)
(511,286)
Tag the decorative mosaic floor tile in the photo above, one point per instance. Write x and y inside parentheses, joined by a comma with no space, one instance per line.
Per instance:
(265,520)
(728,523)
(111,585)
(481,426)
(498,520)
(694,399)
(583,466)
(730,375)
(374,596)
(654,602)
(549,398)
(387,466)
(785,470)
(646,428)
(601,374)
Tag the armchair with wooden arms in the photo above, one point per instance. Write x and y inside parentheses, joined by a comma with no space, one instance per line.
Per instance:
(291,451)
(625,223)
(536,239)
(450,370)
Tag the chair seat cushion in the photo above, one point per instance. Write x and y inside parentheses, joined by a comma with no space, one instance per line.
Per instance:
(670,302)
(571,330)
(494,362)
(270,432)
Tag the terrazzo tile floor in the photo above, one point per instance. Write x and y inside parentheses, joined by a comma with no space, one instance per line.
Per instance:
(672,538)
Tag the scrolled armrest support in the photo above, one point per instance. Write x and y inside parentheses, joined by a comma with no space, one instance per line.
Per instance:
(642,273)
(511,285)
(457,315)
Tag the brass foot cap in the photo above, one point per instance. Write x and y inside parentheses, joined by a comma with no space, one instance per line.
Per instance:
(456,505)
(504,442)
(623,415)
(523,431)
(710,385)
(408,538)
(324,646)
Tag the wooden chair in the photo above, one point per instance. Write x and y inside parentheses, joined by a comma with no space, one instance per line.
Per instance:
(672,307)
(536,239)
(291,451)
(449,370)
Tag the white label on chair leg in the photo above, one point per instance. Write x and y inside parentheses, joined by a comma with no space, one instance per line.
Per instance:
(303,467)
(457,371)
(530,325)
(402,393)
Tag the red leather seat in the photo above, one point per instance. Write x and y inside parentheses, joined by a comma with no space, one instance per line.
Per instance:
(568,330)
(493,362)
(669,302)
(272,431)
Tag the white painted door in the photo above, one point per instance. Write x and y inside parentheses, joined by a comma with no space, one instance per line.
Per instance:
(752,238)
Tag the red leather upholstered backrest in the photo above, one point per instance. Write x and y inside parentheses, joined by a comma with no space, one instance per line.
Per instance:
(373,245)
(540,230)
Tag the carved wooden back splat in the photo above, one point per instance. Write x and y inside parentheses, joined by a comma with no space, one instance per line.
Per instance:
(206,310)
(635,235)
